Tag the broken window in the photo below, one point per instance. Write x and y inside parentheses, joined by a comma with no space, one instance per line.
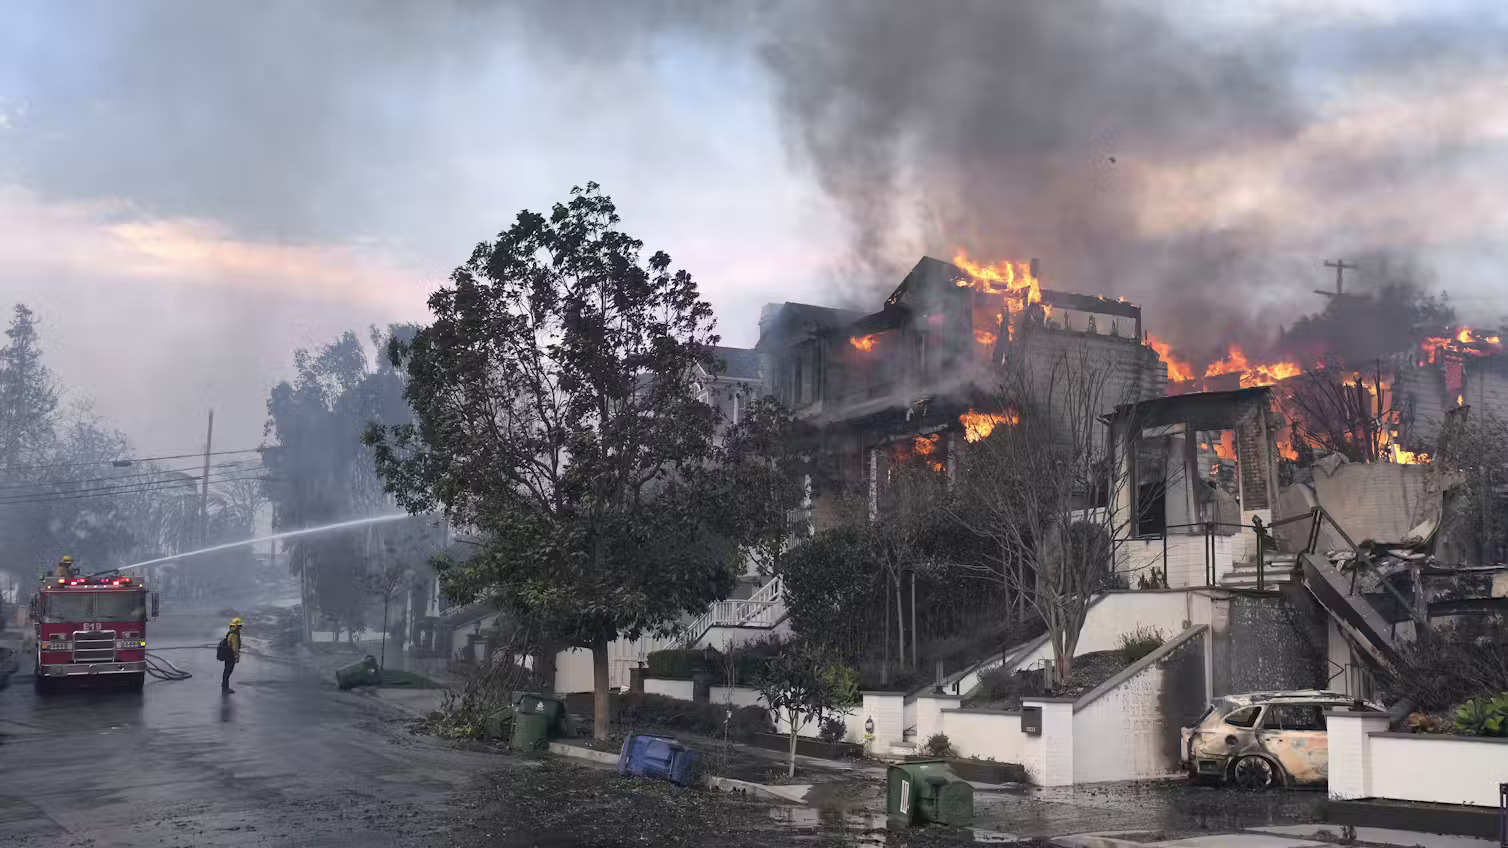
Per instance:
(1218,461)
(1295,717)
(1151,460)
(1244,717)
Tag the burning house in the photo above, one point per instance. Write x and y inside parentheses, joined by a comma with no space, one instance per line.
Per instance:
(909,382)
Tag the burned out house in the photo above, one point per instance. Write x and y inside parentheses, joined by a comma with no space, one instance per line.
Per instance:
(910,381)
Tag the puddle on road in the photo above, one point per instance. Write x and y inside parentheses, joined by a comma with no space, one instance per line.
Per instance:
(866,829)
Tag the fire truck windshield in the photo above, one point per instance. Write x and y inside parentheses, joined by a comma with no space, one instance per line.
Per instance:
(64,607)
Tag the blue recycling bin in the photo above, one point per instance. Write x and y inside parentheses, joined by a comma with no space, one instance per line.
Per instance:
(658,757)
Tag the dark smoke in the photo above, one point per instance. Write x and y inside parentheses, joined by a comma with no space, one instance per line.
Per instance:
(992,126)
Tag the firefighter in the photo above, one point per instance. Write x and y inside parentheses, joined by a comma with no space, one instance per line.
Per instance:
(231,653)
(65,567)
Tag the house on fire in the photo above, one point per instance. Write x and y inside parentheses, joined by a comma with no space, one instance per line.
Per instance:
(921,373)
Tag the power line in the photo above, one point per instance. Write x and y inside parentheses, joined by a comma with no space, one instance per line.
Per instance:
(66,487)
(130,460)
(116,477)
(121,491)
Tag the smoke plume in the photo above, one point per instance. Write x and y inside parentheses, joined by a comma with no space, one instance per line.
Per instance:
(1027,129)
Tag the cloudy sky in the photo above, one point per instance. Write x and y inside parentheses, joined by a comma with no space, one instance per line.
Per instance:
(191,190)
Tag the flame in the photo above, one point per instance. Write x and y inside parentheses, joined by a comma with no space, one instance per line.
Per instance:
(1252,375)
(864,343)
(1465,342)
(1286,450)
(979,425)
(926,445)
(1008,283)
(1403,457)
(1460,400)
(1178,370)
(1226,447)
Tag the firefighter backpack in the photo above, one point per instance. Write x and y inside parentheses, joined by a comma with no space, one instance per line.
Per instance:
(222,650)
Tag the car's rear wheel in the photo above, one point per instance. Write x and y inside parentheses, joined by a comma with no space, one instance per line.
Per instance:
(1255,773)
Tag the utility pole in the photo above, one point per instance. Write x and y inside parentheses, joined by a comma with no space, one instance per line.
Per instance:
(209,438)
(1341,266)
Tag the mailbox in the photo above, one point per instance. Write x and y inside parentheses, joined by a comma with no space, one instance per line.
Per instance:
(1031,721)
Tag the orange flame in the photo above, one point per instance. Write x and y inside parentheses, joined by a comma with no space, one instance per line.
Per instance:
(1252,375)
(1226,447)
(1178,370)
(979,425)
(926,445)
(1010,281)
(864,343)
(1465,342)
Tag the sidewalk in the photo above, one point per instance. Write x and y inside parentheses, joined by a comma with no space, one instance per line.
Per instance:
(1285,836)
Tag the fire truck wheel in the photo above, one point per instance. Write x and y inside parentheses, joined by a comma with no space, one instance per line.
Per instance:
(42,685)
(135,682)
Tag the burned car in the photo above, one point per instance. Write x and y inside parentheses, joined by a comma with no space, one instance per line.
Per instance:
(1264,739)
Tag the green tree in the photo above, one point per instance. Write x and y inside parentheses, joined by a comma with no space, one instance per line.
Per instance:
(804,684)
(557,416)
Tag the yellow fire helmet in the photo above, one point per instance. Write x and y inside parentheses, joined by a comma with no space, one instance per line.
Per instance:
(68,560)
(235,622)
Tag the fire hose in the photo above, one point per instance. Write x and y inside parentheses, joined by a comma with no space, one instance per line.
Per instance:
(161,669)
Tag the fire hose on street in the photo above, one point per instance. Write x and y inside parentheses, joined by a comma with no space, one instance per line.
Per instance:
(161,669)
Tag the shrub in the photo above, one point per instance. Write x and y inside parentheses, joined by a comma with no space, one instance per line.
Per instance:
(1483,717)
(1446,666)
(682,663)
(640,710)
(834,730)
(1140,642)
(748,662)
(938,745)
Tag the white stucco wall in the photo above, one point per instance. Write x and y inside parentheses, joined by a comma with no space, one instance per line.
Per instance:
(1184,565)
(985,735)
(738,696)
(1125,734)
(1368,762)
(927,710)
(1117,613)
(683,689)
(887,711)
(1438,769)
(853,726)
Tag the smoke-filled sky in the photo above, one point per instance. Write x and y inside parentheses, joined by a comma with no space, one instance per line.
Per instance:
(189,191)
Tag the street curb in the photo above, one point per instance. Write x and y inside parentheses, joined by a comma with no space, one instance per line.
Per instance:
(580,753)
(1103,839)
(784,794)
(792,794)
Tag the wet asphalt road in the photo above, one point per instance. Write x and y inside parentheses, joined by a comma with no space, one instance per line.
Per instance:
(286,760)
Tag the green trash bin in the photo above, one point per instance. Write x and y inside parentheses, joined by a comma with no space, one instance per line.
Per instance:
(553,709)
(364,672)
(928,792)
(531,732)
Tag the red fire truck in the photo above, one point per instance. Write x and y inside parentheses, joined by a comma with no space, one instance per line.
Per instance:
(91,627)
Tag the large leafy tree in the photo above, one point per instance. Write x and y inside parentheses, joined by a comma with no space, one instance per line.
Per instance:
(556,409)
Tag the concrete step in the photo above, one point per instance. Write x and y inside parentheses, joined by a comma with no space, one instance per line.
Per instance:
(1243,575)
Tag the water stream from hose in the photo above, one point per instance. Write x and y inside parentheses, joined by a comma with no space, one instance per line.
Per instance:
(287,534)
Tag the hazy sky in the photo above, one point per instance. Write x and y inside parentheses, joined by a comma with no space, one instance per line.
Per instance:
(191,190)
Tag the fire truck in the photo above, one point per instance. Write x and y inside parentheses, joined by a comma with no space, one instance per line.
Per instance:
(91,628)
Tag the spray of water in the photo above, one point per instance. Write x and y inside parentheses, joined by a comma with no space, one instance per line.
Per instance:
(287,534)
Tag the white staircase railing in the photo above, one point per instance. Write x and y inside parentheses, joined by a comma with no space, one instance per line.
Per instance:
(765,608)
